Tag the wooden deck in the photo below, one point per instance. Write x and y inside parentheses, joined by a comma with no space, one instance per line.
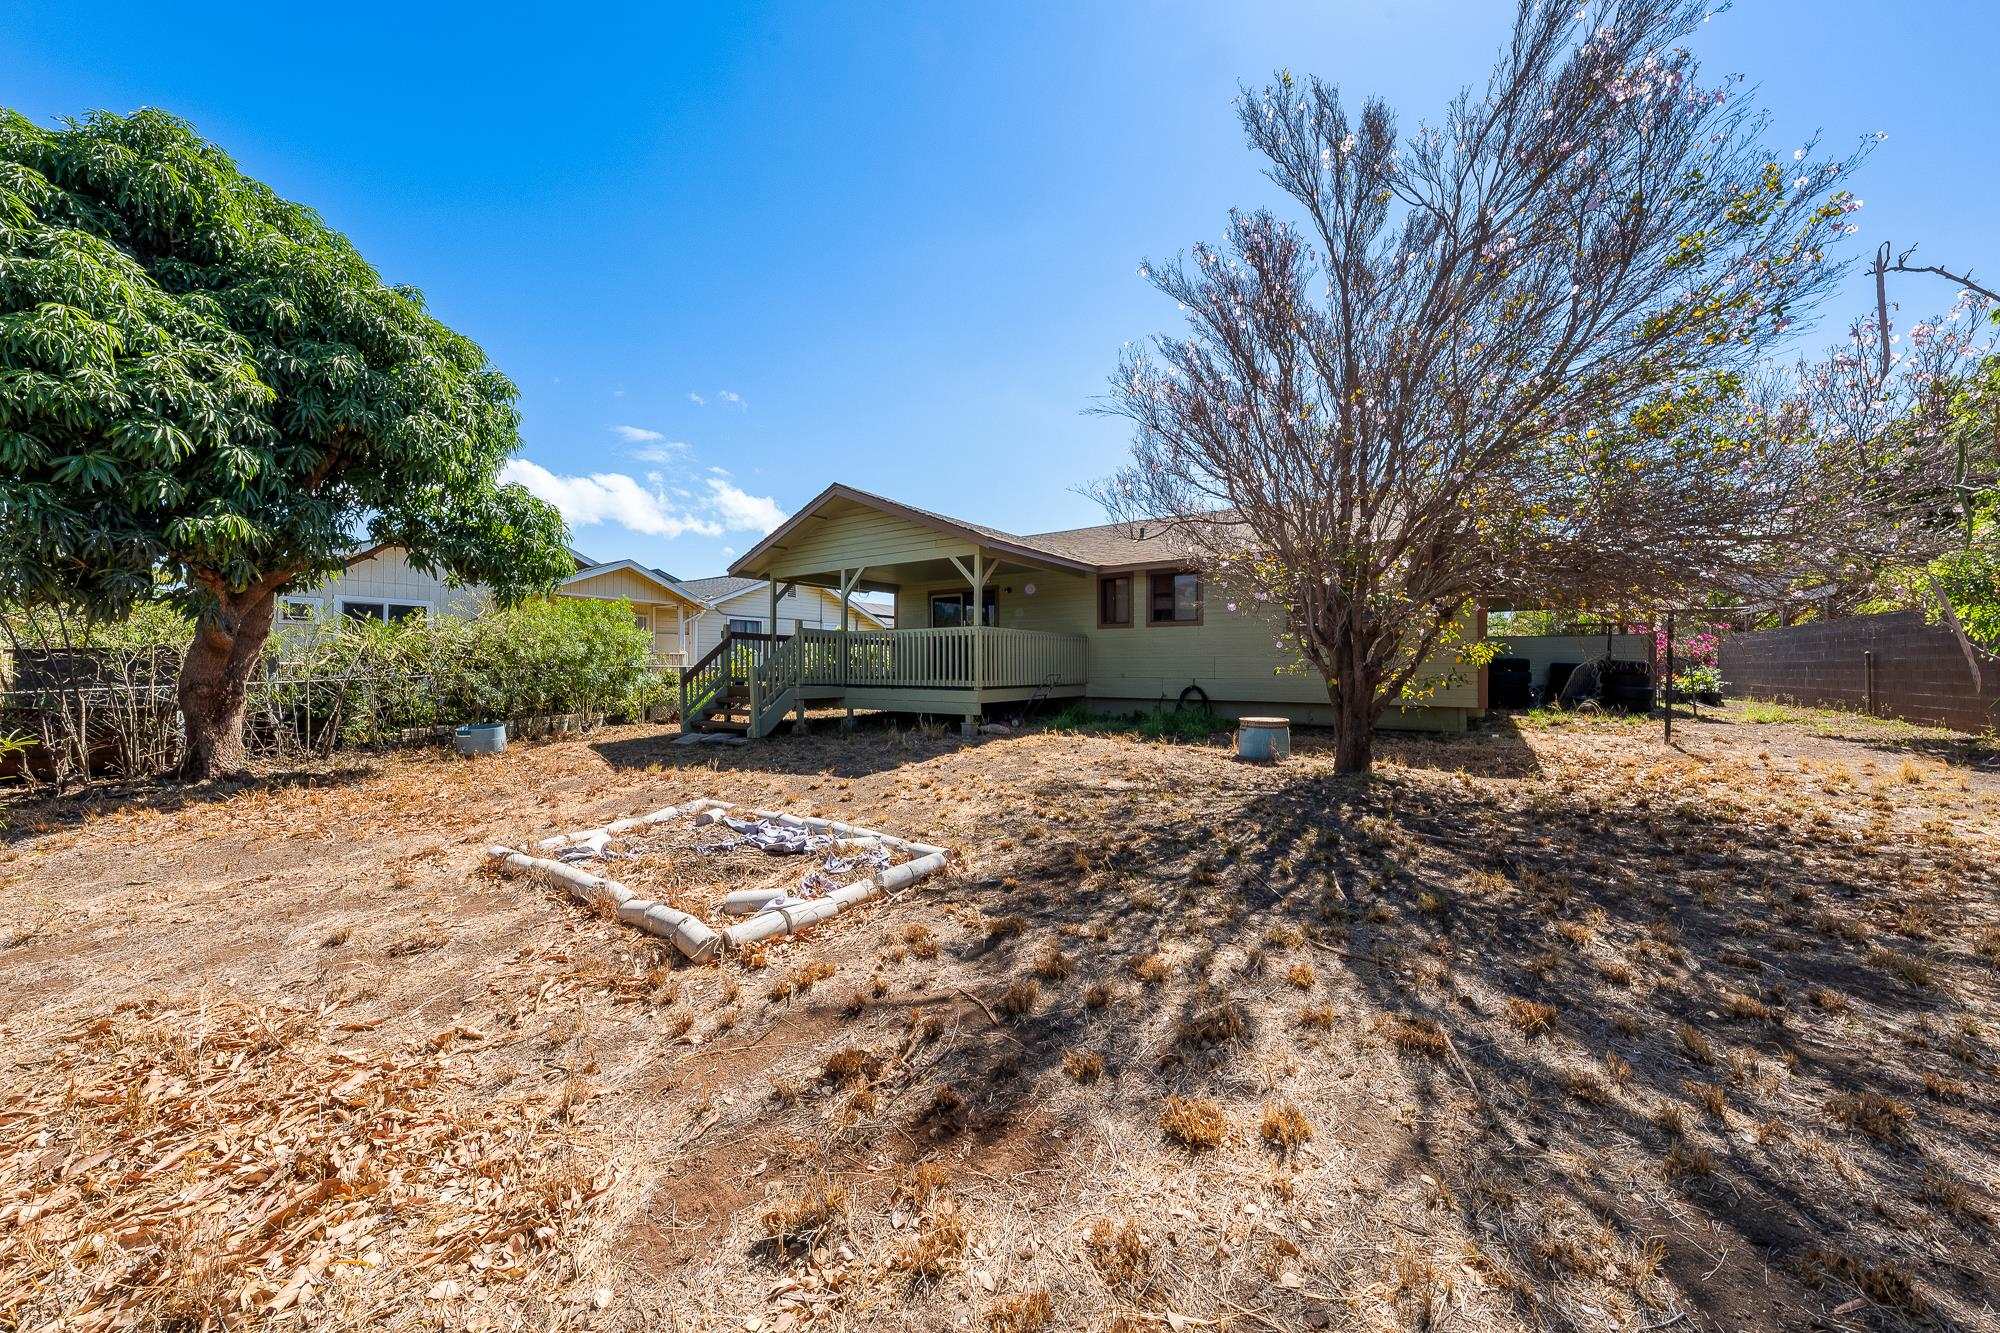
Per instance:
(956,672)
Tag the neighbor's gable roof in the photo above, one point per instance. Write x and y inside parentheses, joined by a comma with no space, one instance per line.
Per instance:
(727,587)
(650,575)
(1108,546)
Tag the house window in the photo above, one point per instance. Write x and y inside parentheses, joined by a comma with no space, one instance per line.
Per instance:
(387,612)
(746,627)
(950,609)
(643,620)
(1114,600)
(297,610)
(1174,598)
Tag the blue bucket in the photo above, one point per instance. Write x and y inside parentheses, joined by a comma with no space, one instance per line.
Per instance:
(481,738)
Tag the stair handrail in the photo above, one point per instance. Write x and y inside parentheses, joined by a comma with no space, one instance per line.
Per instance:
(774,683)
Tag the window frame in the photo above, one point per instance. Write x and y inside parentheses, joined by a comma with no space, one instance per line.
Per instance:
(1200,597)
(989,602)
(1103,581)
(388,605)
(746,625)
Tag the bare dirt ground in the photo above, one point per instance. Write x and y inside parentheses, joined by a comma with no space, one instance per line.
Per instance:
(1552,1027)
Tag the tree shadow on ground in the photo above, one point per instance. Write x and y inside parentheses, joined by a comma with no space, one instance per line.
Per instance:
(1725,1061)
(33,812)
(874,745)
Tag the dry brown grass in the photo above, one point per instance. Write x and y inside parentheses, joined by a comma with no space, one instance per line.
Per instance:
(1740,896)
(1875,1114)
(807,1218)
(1194,1122)
(1083,1066)
(1020,999)
(1418,1036)
(1029,1312)
(938,1246)
(1531,1018)
(1284,1126)
(1119,1252)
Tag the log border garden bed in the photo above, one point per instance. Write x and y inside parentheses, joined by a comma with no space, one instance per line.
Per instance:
(693,937)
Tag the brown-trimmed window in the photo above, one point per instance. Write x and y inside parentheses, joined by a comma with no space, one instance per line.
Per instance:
(1173,597)
(1114,600)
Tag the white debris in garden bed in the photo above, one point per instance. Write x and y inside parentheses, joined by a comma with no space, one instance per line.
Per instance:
(771,910)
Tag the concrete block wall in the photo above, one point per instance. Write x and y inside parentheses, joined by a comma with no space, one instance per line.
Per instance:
(1920,674)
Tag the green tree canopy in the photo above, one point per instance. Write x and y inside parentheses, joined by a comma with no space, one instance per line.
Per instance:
(201,380)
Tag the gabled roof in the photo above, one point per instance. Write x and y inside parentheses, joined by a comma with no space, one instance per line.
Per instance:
(650,575)
(722,587)
(977,533)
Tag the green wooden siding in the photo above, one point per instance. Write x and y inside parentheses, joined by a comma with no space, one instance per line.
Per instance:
(1233,656)
(859,537)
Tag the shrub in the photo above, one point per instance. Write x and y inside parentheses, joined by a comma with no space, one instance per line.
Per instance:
(546,656)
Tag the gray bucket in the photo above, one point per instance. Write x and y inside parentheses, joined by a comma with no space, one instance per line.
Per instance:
(1263,740)
(481,738)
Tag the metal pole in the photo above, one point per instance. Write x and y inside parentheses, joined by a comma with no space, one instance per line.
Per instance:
(1868,667)
(1670,678)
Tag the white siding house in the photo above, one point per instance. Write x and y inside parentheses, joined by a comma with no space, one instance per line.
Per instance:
(745,605)
(685,617)
(383,585)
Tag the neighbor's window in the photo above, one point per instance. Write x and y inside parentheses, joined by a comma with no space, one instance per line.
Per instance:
(746,627)
(298,609)
(1114,600)
(1174,598)
(384,611)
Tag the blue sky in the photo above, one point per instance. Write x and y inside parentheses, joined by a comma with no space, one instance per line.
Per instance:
(731,254)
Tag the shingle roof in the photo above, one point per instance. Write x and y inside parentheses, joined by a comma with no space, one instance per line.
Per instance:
(718,588)
(1103,544)
(1106,544)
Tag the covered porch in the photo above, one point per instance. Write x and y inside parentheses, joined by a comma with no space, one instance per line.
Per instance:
(950,655)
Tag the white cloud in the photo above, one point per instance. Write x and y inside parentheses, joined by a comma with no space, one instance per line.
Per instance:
(607,497)
(614,497)
(637,434)
(697,400)
(732,397)
(741,511)
(666,452)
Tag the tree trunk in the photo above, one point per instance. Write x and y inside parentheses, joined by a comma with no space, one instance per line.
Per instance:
(215,682)
(1355,709)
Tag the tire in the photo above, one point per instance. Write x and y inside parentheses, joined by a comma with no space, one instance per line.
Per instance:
(1194,696)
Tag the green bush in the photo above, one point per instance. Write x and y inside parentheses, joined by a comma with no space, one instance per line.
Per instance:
(559,655)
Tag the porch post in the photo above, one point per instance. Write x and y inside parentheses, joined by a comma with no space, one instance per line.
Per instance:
(773,586)
(978,636)
(846,592)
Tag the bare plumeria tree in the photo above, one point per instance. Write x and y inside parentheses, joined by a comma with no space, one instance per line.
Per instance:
(1492,361)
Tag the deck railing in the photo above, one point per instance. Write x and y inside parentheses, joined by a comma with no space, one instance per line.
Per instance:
(923,659)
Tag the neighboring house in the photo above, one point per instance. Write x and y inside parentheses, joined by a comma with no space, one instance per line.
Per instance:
(1106,614)
(659,603)
(685,617)
(744,605)
(380,583)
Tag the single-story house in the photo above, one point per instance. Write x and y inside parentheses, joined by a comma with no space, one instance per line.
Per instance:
(1107,615)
